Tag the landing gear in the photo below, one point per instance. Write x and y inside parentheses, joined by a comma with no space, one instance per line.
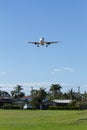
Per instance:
(38,45)
(46,45)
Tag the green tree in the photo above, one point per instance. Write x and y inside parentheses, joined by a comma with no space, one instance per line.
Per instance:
(37,97)
(71,94)
(55,90)
(17,92)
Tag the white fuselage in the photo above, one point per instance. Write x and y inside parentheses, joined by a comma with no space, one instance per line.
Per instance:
(42,42)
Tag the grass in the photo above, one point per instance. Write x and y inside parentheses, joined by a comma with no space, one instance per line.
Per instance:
(43,120)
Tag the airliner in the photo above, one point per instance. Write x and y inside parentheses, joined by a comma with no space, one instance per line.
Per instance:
(43,42)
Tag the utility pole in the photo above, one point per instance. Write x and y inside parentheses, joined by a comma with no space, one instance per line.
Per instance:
(78,89)
(0,92)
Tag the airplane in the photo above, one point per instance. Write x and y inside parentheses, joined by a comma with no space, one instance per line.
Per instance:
(43,42)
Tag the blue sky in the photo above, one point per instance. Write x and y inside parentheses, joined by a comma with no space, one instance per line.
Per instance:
(56,20)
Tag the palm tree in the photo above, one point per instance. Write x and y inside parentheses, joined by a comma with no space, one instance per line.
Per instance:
(55,89)
(17,93)
(42,93)
(37,97)
(71,94)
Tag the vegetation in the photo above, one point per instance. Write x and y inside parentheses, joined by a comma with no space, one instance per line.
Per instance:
(17,93)
(43,120)
(55,91)
(38,97)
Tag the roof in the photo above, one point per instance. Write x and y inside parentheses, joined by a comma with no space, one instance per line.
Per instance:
(29,98)
(62,101)
(4,94)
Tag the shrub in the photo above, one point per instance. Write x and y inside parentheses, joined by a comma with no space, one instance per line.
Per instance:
(63,107)
(7,106)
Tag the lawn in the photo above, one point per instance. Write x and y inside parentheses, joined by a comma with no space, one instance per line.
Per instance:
(43,120)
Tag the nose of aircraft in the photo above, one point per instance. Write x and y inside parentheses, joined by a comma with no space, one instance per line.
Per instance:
(42,39)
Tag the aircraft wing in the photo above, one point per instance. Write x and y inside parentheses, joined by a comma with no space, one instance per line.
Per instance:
(51,42)
(34,43)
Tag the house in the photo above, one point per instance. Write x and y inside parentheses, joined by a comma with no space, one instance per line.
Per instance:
(23,103)
(19,103)
(27,98)
(57,102)
(28,104)
(4,94)
(5,99)
(61,102)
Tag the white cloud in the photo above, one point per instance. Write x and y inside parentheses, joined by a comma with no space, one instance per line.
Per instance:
(68,69)
(56,71)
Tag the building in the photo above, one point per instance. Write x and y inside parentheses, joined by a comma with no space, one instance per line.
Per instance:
(5,99)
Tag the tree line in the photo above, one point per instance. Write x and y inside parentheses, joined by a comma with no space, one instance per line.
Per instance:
(55,92)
